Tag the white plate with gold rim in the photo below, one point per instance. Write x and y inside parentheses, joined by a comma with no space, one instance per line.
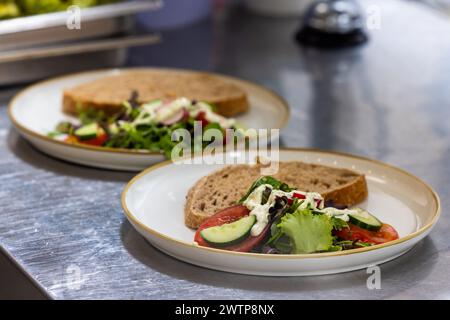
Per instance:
(153,203)
(36,111)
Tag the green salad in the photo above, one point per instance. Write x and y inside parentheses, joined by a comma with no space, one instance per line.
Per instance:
(274,218)
(151,126)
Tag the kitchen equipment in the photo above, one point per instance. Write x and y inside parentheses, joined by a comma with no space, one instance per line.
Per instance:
(36,63)
(50,28)
(39,46)
(332,23)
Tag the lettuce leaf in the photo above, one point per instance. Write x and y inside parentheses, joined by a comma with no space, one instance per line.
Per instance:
(338,224)
(277,185)
(308,232)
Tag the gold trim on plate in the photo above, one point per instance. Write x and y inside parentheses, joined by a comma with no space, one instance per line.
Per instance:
(26,131)
(435,217)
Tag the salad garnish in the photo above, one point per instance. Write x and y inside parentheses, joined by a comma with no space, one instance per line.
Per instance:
(275,218)
(148,126)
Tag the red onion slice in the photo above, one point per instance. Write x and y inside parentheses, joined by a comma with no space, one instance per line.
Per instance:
(177,117)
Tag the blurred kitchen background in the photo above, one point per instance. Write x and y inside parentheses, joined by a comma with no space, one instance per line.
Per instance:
(43,38)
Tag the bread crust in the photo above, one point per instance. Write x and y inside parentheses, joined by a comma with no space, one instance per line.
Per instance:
(347,194)
(110,92)
(193,219)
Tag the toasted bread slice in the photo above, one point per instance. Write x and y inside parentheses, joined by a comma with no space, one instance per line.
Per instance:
(110,92)
(225,187)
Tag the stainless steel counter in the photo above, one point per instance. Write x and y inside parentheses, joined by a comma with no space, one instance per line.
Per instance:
(388,100)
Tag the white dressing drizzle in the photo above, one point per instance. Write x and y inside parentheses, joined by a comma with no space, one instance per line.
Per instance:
(210,115)
(338,213)
(261,211)
(171,108)
(158,111)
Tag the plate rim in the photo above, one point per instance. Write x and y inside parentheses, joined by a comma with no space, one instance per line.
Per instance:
(139,152)
(406,238)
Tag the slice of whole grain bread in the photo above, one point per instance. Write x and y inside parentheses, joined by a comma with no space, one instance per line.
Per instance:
(108,93)
(225,187)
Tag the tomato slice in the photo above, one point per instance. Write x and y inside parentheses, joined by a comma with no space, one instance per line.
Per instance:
(229,215)
(302,197)
(97,141)
(201,116)
(385,234)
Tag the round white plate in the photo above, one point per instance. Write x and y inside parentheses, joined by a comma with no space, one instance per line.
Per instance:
(153,203)
(36,111)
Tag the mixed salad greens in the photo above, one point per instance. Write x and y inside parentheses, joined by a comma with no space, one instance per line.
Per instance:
(16,8)
(275,218)
(151,126)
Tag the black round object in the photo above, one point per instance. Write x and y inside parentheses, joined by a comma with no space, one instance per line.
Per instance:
(332,23)
(317,38)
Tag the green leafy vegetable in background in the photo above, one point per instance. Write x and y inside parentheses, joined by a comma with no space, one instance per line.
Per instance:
(8,9)
(15,8)
(136,126)
(149,137)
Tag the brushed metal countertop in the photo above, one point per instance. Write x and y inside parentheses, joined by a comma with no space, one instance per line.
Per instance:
(388,100)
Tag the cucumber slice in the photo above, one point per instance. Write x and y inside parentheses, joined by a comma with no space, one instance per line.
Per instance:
(365,220)
(229,233)
(88,131)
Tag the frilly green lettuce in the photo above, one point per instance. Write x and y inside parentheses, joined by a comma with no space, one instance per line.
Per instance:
(308,232)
